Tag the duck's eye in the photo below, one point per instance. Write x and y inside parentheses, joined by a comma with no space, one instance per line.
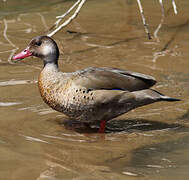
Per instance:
(38,43)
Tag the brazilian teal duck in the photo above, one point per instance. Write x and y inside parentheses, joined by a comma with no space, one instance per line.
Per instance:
(91,95)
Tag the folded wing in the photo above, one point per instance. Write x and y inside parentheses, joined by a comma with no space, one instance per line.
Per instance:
(113,79)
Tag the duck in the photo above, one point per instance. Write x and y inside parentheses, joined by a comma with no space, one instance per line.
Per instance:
(91,95)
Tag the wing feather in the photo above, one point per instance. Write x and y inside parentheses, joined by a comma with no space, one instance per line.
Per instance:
(112,78)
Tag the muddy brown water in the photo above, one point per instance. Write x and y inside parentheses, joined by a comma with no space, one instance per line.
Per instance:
(151,142)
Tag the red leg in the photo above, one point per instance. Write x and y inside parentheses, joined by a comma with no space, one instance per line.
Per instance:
(102,126)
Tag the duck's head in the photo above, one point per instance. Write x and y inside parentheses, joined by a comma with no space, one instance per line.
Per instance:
(43,47)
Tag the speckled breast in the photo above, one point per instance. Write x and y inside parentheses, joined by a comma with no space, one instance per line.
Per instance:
(64,97)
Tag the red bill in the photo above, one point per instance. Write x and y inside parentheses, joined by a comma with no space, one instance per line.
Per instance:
(25,53)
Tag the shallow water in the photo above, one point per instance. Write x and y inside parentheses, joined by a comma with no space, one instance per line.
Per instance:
(147,143)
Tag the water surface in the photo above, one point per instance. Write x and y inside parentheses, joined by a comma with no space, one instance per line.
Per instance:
(150,142)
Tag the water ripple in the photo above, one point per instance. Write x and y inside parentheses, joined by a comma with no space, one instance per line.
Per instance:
(65,139)
(4,104)
(16,82)
(29,138)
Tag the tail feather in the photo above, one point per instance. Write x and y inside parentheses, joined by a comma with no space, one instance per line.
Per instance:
(162,97)
(148,96)
(167,98)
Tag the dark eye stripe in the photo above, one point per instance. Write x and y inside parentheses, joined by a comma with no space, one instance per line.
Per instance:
(38,43)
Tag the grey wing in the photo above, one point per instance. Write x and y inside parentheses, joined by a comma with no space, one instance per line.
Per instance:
(112,79)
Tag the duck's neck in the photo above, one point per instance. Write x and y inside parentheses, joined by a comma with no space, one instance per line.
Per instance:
(48,64)
(52,56)
(51,61)
(53,67)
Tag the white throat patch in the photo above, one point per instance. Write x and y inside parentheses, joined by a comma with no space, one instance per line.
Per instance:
(47,49)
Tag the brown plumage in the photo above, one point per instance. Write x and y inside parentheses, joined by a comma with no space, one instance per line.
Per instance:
(92,94)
